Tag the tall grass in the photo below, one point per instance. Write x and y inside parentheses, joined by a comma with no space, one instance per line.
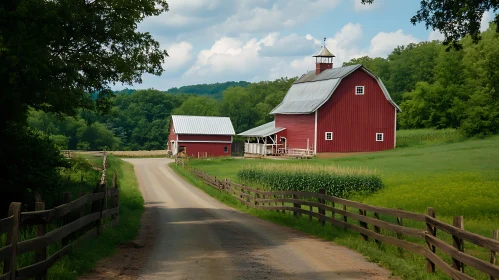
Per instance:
(426,137)
(337,181)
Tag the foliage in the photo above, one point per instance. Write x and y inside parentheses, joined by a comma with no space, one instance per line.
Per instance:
(198,106)
(427,137)
(440,88)
(465,16)
(340,182)
(73,133)
(212,90)
(86,255)
(23,150)
(60,57)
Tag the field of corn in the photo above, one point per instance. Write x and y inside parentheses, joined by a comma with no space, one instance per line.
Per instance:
(338,181)
(139,154)
(455,176)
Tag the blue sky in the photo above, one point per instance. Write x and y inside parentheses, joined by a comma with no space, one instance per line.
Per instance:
(253,40)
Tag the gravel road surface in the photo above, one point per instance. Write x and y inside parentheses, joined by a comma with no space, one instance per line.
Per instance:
(197,237)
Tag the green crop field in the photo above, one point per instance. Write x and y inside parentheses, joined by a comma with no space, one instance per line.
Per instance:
(460,178)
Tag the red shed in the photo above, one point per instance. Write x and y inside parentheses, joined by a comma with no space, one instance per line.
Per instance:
(345,109)
(199,136)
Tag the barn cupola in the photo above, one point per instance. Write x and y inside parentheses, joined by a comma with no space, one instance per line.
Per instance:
(323,60)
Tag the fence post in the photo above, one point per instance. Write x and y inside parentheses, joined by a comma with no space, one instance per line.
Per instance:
(495,236)
(345,218)
(458,243)
(399,235)
(66,199)
(296,205)
(10,264)
(257,196)
(363,224)
(41,230)
(376,228)
(103,206)
(321,210)
(430,266)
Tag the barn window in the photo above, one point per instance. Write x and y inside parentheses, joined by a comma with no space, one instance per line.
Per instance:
(379,137)
(359,90)
(329,136)
(226,149)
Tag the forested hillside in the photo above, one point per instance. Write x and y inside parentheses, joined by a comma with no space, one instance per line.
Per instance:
(435,87)
(139,120)
(212,90)
(441,88)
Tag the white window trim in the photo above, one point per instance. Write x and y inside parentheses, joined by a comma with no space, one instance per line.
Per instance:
(325,136)
(363,90)
(226,151)
(382,137)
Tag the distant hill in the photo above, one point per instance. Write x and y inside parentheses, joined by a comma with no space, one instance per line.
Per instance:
(214,90)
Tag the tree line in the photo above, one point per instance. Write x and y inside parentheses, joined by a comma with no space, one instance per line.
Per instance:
(436,87)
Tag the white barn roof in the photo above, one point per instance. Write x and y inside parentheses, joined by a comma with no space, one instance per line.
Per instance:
(263,130)
(311,91)
(202,125)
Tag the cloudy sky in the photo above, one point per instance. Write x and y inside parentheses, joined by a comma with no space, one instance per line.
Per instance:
(253,40)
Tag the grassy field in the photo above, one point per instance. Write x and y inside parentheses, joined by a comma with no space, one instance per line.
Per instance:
(456,179)
(88,253)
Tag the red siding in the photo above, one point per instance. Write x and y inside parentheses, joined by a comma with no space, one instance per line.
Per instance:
(299,128)
(213,149)
(172,136)
(191,137)
(355,119)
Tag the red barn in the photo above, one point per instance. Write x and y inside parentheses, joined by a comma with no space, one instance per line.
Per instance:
(345,109)
(197,136)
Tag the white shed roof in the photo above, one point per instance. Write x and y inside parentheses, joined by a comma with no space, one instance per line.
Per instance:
(202,125)
(263,130)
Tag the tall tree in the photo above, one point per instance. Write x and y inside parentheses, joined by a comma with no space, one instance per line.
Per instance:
(454,18)
(53,54)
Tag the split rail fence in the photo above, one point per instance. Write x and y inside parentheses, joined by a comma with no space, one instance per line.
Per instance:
(343,212)
(74,224)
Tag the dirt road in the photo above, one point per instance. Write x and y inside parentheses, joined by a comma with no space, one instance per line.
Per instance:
(197,237)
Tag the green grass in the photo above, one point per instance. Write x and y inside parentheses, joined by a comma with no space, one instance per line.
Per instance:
(88,253)
(458,179)
(427,137)
(409,267)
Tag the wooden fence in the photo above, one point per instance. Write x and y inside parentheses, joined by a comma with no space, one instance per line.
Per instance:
(76,223)
(343,212)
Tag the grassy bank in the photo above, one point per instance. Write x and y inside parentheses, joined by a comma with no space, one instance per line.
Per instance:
(428,137)
(410,267)
(458,179)
(88,253)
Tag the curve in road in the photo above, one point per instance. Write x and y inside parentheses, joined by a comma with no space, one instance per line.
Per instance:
(197,237)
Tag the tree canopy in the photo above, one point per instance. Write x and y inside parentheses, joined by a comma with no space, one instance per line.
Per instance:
(455,19)
(60,57)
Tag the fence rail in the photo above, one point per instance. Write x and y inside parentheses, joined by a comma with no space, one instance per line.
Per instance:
(104,205)
(294,201)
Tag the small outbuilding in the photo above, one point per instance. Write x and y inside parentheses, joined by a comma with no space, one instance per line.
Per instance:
(200,136)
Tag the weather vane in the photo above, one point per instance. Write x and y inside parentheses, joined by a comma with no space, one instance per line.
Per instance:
(324,42)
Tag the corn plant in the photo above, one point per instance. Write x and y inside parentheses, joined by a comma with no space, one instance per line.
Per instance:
(340,182)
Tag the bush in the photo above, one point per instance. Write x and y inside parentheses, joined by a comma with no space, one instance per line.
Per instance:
(340,182)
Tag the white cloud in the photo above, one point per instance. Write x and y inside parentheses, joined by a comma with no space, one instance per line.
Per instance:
(486,19)
(179,55)
(436,35)
(269,56)
(359,7)
(383,43)
(231,18)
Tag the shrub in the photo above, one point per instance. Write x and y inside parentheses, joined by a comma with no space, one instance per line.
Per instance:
(340,182)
